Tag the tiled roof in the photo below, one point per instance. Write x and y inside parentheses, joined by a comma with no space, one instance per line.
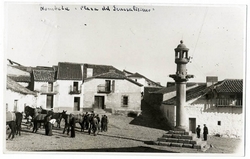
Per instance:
(130,80)
(190,94)
(24,68)
(114,75)
(20,78)
(229,86)
(14,86)
(172,88)
(99,69)
(137,75)
(127,72)
(165,90)
(69,71)
(44,75)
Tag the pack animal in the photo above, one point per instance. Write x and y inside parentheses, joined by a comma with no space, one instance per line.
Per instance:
(68,117)
(14,120)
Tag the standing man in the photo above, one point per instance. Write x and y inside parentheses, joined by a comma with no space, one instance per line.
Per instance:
(46,124)
(205,132)
(198,131)
(72,125)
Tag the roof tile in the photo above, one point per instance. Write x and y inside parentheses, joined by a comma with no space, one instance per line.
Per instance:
(69,71)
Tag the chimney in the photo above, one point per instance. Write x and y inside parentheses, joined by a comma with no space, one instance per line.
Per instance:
(210,80)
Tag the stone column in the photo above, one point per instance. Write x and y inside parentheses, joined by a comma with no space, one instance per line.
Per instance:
(180,103)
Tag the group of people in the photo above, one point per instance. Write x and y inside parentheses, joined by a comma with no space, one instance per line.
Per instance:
(205,132)
(89,122)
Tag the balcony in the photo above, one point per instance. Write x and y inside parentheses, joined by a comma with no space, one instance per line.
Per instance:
(49,90)
(74,90)
(229,102)
(102,88)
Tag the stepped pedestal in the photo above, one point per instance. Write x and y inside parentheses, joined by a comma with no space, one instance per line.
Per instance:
(181,138)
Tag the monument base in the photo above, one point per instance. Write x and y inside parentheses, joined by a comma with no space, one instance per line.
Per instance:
(181,128)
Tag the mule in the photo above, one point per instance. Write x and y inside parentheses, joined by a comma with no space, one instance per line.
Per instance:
(45,111)
(13,120)
(58,116)
(12,126)
(29,111)
(68,117)
(38,120)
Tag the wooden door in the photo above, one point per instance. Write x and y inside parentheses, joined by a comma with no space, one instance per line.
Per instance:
(192,124)
(76,103)
(49,103)
(99,102)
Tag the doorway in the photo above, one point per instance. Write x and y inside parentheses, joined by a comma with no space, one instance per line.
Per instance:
(99,102)
(49,103)
(192,124)
(76,103)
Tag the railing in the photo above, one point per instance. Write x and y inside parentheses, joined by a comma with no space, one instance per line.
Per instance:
(229,102)
(102,88)
(74,90)
(47,90)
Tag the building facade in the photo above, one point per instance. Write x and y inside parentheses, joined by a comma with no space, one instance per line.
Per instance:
(217,105)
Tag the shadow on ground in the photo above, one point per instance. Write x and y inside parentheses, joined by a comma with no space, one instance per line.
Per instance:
(151,118)
(123,149)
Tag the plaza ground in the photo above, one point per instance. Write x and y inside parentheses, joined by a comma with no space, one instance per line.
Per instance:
(125,134)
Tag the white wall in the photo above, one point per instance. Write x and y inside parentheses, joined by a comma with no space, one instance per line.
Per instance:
(113,99)
(207,113)
(22,100)
(63,100)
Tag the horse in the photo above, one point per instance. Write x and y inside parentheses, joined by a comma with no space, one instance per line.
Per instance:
(68,117)
(14,120)
(45,111)
(38,119)
(29,111)
(58,116)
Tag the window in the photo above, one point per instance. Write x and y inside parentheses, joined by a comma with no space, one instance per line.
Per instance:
(125,100)
(89,72)
(75,86)
(107,86)
(219,122)
(50,87)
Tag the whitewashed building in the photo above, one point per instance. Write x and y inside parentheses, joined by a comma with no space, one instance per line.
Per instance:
(112,91)
(219,106)
(44,84)
(17,96)
(69,87)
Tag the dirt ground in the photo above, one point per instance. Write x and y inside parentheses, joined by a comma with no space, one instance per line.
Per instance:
(122,136)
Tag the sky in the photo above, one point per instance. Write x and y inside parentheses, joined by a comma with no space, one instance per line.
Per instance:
(142,42)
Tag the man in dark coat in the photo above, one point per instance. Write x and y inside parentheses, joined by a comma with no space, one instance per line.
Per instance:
(46,124)
(205,132)
(198,131)
(102,120)
(105,123)
(72,125)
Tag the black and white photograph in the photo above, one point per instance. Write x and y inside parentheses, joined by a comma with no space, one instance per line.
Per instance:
(84,77)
